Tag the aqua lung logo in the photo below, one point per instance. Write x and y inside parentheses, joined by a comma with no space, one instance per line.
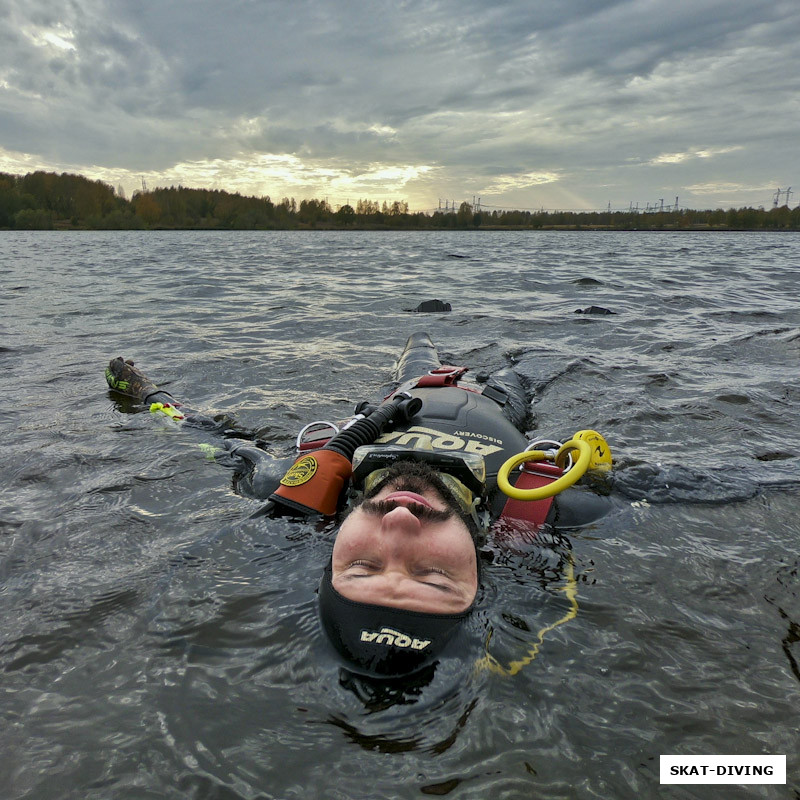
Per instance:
(394,638)
(418,437)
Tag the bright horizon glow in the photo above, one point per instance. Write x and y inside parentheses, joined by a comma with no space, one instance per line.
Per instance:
(259,178)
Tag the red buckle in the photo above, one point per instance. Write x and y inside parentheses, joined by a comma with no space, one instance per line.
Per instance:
(446,375)
(532,476)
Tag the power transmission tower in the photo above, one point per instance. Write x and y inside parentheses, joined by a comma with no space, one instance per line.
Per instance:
(788,193)
(776,198)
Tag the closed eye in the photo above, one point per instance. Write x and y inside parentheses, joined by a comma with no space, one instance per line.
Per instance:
(367,566)
(436,572)
(442,587)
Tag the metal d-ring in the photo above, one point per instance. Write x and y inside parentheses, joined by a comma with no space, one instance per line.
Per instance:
(321,423)
(554,446)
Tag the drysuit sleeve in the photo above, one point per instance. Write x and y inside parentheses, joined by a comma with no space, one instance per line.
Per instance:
(124,378)
(257,473)
(577,507)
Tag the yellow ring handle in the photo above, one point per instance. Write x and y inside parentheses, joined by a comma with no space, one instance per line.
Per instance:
(564,482)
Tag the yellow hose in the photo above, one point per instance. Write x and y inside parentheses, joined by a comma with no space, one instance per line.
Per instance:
(570,589)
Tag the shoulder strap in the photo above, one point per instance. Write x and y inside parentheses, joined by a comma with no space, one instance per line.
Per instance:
(533,511)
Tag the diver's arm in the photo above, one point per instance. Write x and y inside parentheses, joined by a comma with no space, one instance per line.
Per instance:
(125,378)
(258,473)
(577,507)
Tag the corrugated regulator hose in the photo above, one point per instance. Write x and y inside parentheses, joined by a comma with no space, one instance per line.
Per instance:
(367,430)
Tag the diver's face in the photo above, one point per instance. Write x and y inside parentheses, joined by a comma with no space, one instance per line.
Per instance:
(406,547)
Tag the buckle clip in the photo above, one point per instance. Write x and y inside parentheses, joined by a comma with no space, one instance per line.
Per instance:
(446,375)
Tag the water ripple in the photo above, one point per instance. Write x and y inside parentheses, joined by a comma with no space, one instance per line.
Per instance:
(160,643)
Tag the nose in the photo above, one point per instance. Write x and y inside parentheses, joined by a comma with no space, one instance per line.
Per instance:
(400,520)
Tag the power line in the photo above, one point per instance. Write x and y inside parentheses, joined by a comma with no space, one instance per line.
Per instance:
(658,206)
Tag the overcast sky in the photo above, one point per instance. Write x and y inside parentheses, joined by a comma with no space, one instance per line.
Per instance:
(523,103)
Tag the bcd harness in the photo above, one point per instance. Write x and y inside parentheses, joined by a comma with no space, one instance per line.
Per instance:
(532,476)
(313,483)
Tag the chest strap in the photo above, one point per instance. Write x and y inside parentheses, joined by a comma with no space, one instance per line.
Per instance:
(532,476)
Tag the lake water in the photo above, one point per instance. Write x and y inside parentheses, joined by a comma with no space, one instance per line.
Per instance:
(159,642)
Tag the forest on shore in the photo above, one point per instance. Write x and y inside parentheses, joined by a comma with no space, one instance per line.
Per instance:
(48,201)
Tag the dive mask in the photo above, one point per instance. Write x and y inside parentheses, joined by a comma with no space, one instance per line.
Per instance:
(464,474)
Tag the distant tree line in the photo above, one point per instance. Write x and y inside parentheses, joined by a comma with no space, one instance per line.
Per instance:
(46,200)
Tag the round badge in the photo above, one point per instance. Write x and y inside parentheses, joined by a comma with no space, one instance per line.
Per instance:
(300,472)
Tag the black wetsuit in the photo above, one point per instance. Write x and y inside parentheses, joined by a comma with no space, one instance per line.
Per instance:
(485,417)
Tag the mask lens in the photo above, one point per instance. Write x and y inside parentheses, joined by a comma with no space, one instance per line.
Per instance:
(373,479)
(463,496)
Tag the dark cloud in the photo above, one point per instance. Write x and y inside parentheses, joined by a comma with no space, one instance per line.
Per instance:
(538,103)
